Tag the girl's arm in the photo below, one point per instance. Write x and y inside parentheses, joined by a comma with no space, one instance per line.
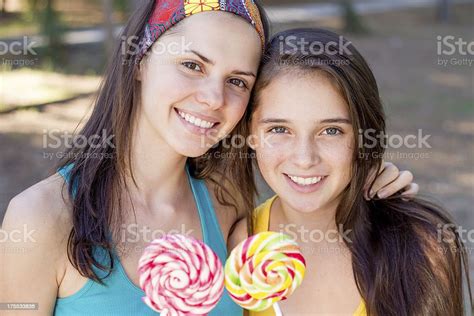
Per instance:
(31,252)
(389,181)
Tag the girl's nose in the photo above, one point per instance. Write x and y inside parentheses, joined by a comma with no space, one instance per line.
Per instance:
(212,94)
(305,154)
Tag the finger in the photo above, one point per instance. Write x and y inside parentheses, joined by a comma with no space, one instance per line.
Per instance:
(411,190)
(404,179)
(389,174)
(372,175)
(384,165)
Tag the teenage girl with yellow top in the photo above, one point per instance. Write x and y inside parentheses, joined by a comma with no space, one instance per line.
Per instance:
(378,257)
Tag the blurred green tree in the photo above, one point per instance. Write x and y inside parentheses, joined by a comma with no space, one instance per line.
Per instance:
(352,21)
(107,12)
(44,13)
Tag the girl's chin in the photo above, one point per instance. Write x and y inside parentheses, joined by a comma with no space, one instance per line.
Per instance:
(192,152)
(301,205)
(305,207)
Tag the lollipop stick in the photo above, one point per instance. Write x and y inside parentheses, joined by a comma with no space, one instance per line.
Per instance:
(277,310)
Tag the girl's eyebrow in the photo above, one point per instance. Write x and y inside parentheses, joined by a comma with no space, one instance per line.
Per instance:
(325,121)
(207,60)
(244,73)
(272,120)
(336,120)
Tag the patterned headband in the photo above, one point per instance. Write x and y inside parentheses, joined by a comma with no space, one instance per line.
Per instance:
(169,12)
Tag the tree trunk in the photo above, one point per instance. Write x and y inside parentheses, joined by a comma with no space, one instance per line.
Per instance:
(352,21)
(107,10)
(444,8)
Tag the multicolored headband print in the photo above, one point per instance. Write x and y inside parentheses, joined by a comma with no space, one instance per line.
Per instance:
(169,12)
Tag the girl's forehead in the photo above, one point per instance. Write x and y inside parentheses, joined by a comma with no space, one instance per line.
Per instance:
(301,97)
(220,36)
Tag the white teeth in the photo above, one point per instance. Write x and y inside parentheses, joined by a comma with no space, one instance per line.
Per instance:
(305,181)
(196,121)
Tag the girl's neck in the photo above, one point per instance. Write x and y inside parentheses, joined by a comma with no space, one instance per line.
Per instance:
(158,170)
(320,220)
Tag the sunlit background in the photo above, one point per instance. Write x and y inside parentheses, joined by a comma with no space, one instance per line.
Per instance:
(48,89)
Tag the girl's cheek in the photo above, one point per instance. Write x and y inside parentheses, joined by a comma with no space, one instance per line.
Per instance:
(272,152)
(278,142)
(337,152)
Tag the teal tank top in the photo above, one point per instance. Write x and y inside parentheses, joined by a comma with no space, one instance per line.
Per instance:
(120,296)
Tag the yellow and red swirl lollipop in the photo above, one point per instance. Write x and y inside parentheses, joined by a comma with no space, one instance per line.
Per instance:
(180,276)
(264,269)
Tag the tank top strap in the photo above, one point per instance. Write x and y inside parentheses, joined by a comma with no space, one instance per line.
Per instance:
(261,216)
(65,172)
(212,233)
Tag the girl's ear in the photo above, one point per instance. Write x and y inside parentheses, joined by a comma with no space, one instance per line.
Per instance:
(252,140)
(139,73)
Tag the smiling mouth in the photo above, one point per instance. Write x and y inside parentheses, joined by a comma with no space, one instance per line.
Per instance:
(196,121)
(305,181)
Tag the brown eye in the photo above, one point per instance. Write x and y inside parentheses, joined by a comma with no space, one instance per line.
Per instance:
(239,83)
(191,65)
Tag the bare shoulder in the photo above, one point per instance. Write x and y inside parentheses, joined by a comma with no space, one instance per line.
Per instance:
(37,224)
(239,234)
(43,205)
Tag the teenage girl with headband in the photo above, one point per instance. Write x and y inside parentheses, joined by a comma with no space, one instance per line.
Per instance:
(165,109)
(378,257)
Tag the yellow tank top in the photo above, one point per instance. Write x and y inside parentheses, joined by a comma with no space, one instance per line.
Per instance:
(261,221)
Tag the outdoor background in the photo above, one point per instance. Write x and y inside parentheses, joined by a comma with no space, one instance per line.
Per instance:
(53,90)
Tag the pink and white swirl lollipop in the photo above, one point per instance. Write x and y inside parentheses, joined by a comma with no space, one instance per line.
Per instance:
(180,276)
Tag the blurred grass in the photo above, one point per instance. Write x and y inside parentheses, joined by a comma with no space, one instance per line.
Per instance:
(17,27)
(25,87)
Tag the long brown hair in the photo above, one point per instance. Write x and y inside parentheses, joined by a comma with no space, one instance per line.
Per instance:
(96,174)
(407,258)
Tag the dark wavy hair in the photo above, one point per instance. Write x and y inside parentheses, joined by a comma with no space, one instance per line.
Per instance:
(395,244)
(96,174)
